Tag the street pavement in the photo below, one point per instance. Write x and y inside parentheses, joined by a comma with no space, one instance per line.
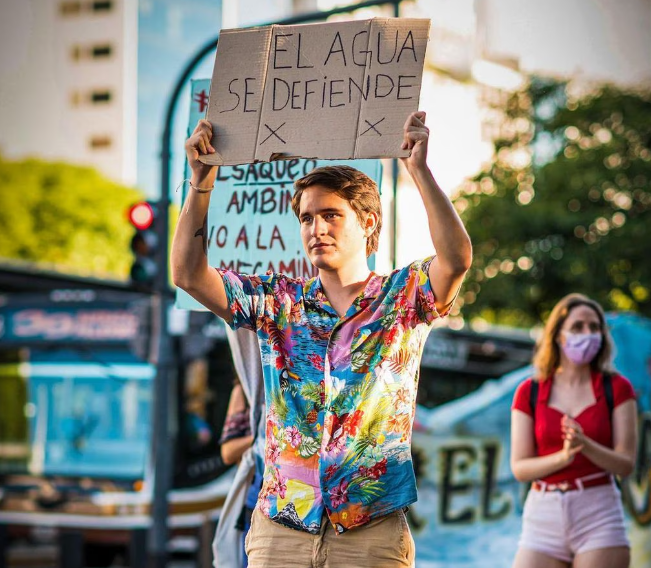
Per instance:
(45,556)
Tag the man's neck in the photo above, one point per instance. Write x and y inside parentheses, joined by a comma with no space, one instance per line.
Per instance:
(342,286)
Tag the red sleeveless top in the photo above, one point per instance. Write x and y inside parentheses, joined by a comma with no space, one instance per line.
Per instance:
(595,421)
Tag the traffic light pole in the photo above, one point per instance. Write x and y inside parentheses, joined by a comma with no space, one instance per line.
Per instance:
(165,425)
(164,431)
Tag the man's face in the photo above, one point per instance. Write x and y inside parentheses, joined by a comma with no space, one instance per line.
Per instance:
(330,229)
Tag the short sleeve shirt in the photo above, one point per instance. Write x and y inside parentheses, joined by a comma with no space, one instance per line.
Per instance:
(595,421)
(237,425)
(340,393)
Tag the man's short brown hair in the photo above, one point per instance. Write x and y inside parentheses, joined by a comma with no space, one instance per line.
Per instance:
(357,188)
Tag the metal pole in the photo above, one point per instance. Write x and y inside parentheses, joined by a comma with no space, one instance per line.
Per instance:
(164,427)
(394,178)
(164,415)
(164,434)
(71,549)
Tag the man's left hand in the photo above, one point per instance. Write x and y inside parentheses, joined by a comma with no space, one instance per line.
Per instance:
(416,136)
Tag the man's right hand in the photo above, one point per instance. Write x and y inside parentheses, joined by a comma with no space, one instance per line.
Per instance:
(199,145)
(189,263)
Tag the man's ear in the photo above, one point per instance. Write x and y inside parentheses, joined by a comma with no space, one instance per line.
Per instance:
(371,223)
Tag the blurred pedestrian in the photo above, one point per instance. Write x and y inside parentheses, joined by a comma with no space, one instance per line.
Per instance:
(236,436)
(573,428)
(197,395)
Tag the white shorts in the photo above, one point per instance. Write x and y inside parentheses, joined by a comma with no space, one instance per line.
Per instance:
(563,525)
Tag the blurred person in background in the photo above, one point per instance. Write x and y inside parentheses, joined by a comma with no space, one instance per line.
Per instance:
(573,428)
(236,436)
(197,396)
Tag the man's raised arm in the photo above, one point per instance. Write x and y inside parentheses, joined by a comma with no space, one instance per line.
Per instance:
(189,255)
(449,236)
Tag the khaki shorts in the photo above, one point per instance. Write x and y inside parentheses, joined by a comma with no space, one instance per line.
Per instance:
(385,542)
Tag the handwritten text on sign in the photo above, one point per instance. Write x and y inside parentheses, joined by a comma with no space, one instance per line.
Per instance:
(332,91)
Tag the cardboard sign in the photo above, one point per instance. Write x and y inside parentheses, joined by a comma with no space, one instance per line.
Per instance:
(251,225)
(338,90)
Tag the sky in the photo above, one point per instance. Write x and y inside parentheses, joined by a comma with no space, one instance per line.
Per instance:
(170,34)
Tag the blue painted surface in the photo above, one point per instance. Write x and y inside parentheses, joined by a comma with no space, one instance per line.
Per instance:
(89,417)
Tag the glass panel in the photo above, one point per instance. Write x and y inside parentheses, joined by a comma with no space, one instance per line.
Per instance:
(69,8)
(91,418)
(100,96)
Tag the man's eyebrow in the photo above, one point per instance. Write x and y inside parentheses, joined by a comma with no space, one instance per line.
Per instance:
(322,211)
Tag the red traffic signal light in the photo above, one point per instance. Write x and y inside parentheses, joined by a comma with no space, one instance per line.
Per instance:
(144,244)
(141,215)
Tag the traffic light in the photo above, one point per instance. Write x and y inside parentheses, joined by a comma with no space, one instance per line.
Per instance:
(144,244)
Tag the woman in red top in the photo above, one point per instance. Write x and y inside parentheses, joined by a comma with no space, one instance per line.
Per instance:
(570,445)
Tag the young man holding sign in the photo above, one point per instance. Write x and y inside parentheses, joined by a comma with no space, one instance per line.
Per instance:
(340,355)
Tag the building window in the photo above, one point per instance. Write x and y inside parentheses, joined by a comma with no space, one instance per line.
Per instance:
(98,97)
(101,5)
(100,142)
(101,51)
(76,7)
(69,8)
(78,98)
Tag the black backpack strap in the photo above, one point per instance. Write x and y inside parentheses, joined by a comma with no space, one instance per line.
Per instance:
(533,400)
(533,397)
(610,402)
(608,392)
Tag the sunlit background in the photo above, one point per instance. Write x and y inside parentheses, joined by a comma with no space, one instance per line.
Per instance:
(540,121)
(88,83)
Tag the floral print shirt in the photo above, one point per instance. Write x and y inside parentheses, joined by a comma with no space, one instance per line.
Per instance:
(340,393)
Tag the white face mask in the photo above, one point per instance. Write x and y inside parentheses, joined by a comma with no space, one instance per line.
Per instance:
(581,348)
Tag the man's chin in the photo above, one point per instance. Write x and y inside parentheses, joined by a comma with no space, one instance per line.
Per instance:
(322,263)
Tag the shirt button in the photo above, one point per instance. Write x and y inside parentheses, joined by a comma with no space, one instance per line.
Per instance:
(332,367)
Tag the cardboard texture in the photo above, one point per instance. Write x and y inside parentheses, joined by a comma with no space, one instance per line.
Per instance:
(339,90)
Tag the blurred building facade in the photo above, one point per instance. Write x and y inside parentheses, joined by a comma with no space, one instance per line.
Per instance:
(68,82)
(86,81)
(73,89)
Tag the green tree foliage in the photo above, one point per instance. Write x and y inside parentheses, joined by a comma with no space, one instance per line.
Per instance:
(65,217)
(565,206)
